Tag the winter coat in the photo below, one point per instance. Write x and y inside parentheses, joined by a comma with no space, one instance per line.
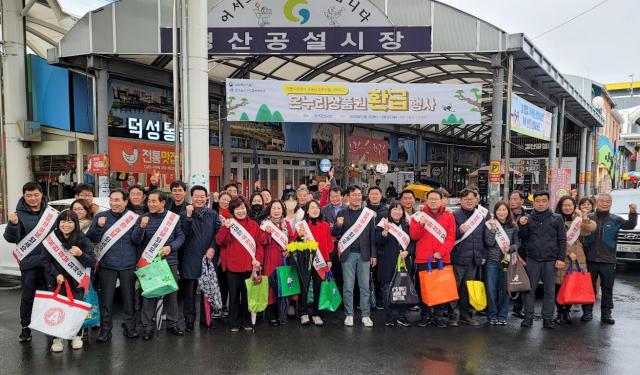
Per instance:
(427,244)
(142,236)
(472,250)
(14,233)
(199,231)
(367,239)
(600,246)
(123,255)
(381,210)
(545,236)
(388,250)
(494,251)
(273,253)
(233,256)
(588,226)
(52,268)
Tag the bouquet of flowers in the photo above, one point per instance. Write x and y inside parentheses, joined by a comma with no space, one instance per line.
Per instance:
(301,254)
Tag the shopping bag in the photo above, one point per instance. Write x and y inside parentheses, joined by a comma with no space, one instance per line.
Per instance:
(93,318)
(517,278)
(257,293)
(438,286)
(156,279)
(56,315)
(576,287)
(477,294)
(288,281)
(330,298)
(402,290)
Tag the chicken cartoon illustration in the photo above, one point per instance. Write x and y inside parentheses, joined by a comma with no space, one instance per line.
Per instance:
(130,158)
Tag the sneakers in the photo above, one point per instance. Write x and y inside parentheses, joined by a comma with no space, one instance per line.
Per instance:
(77,343)
(608,320)
(235,329)
(586,317)
(527,323)
(425,321)
(104,336)
(317,320)
(470,322)
(548,324)
(57,346)
(493,322)
(348,321)
(25,335)
(389,323)
(403,322)
(440,322)
(453,323)
(502,322)
(304,320)
(367,321)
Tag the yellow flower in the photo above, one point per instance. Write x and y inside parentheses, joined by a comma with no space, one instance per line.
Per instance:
(312,245)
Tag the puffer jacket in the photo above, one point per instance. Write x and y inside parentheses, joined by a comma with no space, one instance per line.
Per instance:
(27,220)
(494,252)
(600,246)
(142,236)
(122,255)
(472,250)
(544,236)
(588,226)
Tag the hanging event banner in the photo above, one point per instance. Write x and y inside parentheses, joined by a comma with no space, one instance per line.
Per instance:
(345,102)
(304,27)
(529,119)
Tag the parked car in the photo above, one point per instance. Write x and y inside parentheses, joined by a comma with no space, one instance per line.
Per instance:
(8,264)
(628,249)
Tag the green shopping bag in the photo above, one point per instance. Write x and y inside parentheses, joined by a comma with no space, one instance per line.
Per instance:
(330,298)
(257,294)
(288,281)
(156,279)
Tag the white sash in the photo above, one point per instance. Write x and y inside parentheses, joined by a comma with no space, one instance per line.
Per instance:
(276,233)
(159,238)
(318,261)
(501,237)
(114,233)
(37,234)
(244,237)
(70,263)
(432,226)
(473,223)
(483,210)
(574,231)
(356,229)
(397,232)
(302,225)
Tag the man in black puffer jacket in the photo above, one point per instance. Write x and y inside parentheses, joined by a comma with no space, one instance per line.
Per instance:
(143,233)
(28,212)
(468,254)
(545,237)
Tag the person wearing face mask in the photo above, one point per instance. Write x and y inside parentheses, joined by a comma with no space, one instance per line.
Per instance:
(157,225)
(257,208)
(578,225)
(501,239)
(72,240)
(391,244)
(276,233)
(200,225)
(239,259)
(314,228)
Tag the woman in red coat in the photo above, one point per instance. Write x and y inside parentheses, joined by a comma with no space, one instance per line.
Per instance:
(237,261)
(321,233)
(274,251)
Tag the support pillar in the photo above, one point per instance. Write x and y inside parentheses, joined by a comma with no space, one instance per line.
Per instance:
(589,163)
(345,156)
(102,124)
(495,152)
(196,124)
(553,144)
(18,166)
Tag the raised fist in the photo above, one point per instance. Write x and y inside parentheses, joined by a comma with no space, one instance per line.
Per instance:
(340,221)
(102,221)
(633,207)
(13,218)
(189,209)
(524,220)
(144,222)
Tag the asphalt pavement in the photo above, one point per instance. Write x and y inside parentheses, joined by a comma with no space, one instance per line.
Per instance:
(582,348)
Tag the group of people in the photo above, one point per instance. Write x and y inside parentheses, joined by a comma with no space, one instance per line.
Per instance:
(360,239)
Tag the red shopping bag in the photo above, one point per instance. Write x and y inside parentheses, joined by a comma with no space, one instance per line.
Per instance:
(438,286)
(576,287)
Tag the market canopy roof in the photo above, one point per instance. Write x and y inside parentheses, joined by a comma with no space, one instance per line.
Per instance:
(461,50)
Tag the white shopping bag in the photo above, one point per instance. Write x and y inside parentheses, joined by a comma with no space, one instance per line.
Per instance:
(57,315)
